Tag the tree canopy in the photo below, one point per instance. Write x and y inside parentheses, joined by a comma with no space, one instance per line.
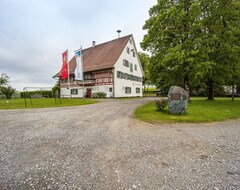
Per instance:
(194,42)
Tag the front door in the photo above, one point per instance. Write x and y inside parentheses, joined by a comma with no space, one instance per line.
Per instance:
(89,93)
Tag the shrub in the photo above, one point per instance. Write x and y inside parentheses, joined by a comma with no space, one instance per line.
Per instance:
(161,104)
(99,95)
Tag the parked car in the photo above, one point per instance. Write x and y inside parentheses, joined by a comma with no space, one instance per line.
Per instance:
(160,93)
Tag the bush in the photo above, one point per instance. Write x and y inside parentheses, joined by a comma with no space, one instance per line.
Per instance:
(161,104)
(99,95)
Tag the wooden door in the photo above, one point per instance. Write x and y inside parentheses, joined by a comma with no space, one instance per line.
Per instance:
(89,92)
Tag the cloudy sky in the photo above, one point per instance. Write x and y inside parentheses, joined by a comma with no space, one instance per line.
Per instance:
(34,33)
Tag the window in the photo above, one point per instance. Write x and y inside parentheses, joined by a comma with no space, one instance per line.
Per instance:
(118,74)
(125,63)
(137,90)
(110,89)
(127,90)
(72,79)
(131,67)
(122,75)
(129,77)
(128,50)
(74,91)
(135,67)
(130,41)
(134,54)
(87,76)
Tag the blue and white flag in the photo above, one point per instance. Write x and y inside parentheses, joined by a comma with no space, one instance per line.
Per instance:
(79,65)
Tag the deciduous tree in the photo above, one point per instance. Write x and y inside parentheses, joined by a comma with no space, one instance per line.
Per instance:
(5,88)
(173,38)
(145,61)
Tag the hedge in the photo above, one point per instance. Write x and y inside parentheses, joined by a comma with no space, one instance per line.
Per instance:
(37,94)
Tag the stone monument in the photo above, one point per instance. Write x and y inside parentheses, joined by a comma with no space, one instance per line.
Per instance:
(177,100)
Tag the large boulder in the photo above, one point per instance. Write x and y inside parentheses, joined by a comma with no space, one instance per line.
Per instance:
(177,100)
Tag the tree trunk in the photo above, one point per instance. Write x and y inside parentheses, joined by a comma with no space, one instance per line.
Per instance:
(233,92)
(210,89)
(186,84)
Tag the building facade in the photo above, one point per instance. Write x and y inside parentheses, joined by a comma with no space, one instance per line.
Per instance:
(112,68)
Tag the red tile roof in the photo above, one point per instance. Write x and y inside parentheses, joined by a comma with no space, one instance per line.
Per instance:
(101,56)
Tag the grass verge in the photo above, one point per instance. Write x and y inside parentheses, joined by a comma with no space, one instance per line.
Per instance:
(199,110)
(42,103)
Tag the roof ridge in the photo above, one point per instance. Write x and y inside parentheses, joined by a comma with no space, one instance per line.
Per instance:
(107,42)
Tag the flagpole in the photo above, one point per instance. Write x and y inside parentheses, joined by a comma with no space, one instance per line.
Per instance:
(82,74)
(68,79)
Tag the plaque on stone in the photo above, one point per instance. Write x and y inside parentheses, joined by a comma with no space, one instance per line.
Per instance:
(175,96)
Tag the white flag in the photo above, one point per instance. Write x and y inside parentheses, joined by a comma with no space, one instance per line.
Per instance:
(79,67)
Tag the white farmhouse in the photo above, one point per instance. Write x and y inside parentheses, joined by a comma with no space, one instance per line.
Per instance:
(112,67)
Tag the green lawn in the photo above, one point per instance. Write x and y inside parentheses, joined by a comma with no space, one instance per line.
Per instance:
(199,110)
(42,103)
(149,94)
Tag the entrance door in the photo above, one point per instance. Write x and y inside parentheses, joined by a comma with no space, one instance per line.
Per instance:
(89,93)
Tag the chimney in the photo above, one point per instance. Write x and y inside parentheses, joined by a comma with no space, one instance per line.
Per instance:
(93,44)
(119,31)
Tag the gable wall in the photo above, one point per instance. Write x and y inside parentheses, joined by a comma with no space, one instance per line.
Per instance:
(120,84)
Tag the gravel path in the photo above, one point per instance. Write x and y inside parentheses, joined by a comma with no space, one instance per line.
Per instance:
(103,147)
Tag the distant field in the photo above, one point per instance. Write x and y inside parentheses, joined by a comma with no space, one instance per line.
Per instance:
(199,110)
(42,103)
(150,92)
(151,89)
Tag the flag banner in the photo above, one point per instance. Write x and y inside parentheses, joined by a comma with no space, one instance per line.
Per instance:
(79,65)
(64,70)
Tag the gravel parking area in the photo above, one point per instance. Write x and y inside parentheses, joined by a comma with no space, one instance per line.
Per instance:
(103,147)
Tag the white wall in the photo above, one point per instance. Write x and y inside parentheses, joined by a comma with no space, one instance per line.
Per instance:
(95,89)
(103,88)
(120,84)
(65,92)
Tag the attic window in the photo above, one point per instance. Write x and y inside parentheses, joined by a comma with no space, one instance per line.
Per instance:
(128,50)
(134,54)
(130,41)
(125,63)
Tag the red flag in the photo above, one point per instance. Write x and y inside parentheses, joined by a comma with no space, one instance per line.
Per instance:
(64,70)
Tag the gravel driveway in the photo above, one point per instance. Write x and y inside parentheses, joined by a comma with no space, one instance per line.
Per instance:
(103,147)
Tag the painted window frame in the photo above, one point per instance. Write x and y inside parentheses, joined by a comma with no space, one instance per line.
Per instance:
(128,90)
(74,91)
